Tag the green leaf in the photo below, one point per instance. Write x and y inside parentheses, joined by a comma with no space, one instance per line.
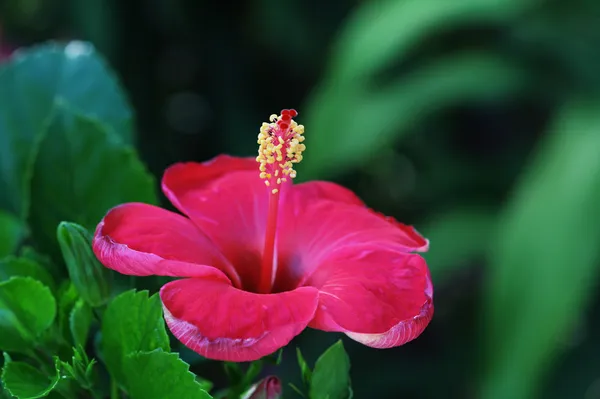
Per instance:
(204,383)
(457,237)
(66,298)
(275,358)
(80,322)
(27,382)
(80,173)
(372,117)
(381,32)
(253,371)
(89,276)
(132,323)
(304,368)
(159,375)
(81,368)
(30,85)
(44,260)
(331,378)
(545,261)
(239,381)
(234,372)
(27,309)
(11,233)
(12,267)
(6,358)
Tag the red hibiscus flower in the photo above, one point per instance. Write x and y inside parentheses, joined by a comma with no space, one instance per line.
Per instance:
(260,259)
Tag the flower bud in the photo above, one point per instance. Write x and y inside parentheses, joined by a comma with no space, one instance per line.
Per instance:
(268,388)
(90,278)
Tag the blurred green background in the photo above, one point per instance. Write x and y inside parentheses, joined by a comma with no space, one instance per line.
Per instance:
(478,121)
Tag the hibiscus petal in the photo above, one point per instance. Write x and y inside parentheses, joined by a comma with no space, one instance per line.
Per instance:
(379,298)
(180,177)
(221,322)
(140,239)
(231,209)
(313,229)
(321,190)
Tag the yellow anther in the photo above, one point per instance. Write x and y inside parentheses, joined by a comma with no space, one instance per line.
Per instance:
(280,148)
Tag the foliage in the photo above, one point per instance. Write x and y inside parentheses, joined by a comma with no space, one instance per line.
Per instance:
(475,120)
(85,167)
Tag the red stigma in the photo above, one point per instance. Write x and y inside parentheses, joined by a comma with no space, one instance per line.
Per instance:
(291,112)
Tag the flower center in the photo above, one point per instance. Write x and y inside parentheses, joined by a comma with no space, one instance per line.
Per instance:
(280,148)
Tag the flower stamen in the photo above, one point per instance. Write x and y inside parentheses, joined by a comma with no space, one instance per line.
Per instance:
(280,147)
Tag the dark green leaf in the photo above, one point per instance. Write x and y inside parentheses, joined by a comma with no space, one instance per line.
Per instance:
(27,382)
(457,237)
(253,371)
(27,309)
(11,233)
(304,368)
(159,375)
(331,378)
(275,358)
(66,298)
(544,263)
(382,32)
(133,322)
(90,278)
(30,85)
(234,372)
(371,119)
(55,270)
(12,267)
(80,322)
(80,173)
(297,390)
